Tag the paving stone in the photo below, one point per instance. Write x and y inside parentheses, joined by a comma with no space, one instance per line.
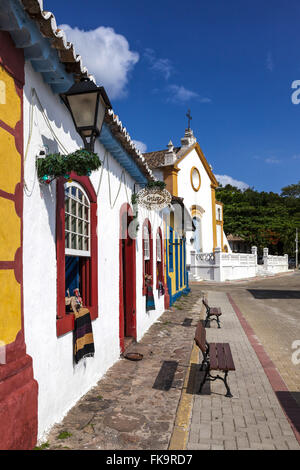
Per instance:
(253,419)
(129,409)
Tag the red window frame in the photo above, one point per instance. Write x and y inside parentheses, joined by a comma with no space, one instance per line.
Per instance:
(89,266)
(147,269)
(159,264)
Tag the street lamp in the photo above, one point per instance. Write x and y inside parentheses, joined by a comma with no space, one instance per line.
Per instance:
(87,104)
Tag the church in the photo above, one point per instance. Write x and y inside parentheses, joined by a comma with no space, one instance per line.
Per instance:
(190,179)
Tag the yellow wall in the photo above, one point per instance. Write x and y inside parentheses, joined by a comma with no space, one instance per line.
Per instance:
(10,226)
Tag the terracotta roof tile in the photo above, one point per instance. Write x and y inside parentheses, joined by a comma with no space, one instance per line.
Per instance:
(156,159)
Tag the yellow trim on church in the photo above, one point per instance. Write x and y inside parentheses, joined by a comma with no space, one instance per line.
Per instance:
(214,221)
(171,179)
(196,146)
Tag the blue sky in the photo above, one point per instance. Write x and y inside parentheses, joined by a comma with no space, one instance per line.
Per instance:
(232,62)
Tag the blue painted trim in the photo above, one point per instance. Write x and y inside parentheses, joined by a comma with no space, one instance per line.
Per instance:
(122,157)
(176,263)
(45,60)
(181,263)
(37,49)
(170,252)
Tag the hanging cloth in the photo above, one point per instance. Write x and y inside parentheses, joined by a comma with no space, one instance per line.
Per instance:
(83,335)
(150,305)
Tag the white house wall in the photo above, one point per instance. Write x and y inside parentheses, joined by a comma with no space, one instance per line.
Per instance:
(61,384)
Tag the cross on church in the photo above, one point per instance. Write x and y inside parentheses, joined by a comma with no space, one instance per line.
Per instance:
(188,115)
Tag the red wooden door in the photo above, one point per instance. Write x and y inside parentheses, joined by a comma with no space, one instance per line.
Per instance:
(127,284)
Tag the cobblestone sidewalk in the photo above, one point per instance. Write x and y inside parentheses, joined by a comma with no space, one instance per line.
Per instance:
(134,405)
(253,418)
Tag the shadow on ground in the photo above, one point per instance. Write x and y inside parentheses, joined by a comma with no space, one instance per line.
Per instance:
(274,294)
(194,380)
(165,377)
(290,402)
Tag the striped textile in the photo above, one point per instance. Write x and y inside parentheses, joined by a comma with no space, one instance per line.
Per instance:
(83,335)
(150,305)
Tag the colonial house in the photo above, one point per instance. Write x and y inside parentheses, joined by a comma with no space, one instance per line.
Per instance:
(188,175)
(69,238)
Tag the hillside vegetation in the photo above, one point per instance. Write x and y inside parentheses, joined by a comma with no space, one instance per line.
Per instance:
(263,219)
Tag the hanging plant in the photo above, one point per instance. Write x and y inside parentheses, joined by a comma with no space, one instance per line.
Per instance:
(56,165)
(154,196)
(156,185)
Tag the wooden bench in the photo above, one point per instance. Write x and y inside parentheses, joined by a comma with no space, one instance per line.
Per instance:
(216,356)
(212,313)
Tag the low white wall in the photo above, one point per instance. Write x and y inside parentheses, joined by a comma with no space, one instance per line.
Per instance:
(237,266)
(220,266)
(276,264)
(203,265)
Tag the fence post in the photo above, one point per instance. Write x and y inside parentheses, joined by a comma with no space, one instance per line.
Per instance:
(266,254)
(218,265)
(193,263)
(254,252)
(286,259)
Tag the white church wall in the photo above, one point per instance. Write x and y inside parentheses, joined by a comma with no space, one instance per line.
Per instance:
(201,198)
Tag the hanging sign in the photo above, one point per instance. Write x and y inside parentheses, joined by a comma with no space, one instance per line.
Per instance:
(154,197)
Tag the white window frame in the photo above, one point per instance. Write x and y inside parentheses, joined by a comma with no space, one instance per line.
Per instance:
(158,247)
(77,251)
(146,243)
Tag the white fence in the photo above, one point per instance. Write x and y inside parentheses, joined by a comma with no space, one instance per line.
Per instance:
(220,266)
(275,264)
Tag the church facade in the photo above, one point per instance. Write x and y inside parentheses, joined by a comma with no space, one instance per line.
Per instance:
(189,177)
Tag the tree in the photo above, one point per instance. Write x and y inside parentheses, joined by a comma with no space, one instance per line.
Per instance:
(293,190)
(263,219)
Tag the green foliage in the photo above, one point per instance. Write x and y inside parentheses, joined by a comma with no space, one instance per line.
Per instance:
(43,446)
(55,165)
(64,435)
(156,184)
(293,190)
(262,219)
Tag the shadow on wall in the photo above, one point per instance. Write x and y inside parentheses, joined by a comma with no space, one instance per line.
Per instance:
(274,294)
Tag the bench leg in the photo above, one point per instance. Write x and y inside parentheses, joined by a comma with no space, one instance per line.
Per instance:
(212,378)
(228,394)
(204,361)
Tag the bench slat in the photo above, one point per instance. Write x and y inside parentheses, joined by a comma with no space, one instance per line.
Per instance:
(229,360)
(200,337)
(213,358)
(221,356)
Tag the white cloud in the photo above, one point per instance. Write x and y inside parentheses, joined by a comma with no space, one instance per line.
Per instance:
(140,146)
(225,179)
(180,94)
(162,66)
(106,55)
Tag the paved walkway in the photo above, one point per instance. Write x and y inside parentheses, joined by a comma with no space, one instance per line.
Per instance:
(253,418)
(153,404)
(134,405)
